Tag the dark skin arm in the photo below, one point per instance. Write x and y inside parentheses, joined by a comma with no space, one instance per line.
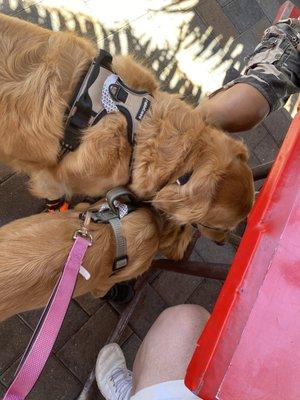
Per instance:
(236,109)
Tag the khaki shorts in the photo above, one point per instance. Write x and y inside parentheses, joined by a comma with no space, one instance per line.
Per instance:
(172,390)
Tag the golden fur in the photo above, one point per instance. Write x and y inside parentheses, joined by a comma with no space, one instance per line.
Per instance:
(33,251)
(39,71)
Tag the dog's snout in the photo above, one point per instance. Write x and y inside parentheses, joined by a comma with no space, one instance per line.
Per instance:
(221,243)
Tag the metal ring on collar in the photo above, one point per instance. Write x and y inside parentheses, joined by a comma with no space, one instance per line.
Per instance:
(118,193)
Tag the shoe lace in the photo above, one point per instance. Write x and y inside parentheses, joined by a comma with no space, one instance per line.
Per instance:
(121,379)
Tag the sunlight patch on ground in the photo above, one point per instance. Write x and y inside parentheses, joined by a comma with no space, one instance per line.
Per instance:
(292,104)
(207,70)
(200,62)
(112,12)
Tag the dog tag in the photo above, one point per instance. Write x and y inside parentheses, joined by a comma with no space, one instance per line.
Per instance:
(85,273)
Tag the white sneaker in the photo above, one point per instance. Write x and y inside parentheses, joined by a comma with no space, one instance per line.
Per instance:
(113,378)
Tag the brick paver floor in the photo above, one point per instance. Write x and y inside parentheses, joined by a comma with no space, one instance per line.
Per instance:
(192,48)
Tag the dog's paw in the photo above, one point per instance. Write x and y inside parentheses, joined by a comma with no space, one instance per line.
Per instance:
(175,241)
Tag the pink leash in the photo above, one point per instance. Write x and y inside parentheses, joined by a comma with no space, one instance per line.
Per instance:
(45,335)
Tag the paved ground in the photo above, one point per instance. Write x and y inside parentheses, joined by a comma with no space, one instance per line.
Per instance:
(191,47)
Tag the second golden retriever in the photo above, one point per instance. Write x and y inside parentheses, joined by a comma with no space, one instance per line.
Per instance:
(33,251)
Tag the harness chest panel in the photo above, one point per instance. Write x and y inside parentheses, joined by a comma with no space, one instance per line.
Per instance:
(100,93)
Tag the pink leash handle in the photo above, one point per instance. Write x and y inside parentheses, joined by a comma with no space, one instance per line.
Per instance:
(45,335)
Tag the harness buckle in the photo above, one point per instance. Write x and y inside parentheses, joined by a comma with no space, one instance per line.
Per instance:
(117,193)
(120,263)
(117,92)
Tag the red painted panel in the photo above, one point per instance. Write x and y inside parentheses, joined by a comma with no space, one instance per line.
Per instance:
(287,10)
(266,362)
(252,339)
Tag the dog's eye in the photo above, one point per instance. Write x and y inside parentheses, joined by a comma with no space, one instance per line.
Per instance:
(182,180)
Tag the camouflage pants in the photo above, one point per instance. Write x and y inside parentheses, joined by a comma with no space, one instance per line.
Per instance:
(274,66)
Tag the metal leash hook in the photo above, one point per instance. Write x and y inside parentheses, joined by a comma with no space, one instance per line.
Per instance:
(83,231)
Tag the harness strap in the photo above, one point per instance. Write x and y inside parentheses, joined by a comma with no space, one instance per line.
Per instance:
(107,215)
(113,216)
(44,337)
(121,258)
(81,114)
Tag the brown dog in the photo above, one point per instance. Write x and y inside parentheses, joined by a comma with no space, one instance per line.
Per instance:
(33,251)
(39,71)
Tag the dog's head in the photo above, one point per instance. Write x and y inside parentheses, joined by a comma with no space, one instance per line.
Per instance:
(213,188)
(191,171)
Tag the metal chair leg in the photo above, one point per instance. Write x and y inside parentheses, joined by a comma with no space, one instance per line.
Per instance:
(195,268)
(261,171)
(90,390)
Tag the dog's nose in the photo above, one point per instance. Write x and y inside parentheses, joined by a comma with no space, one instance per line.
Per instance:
(220,243)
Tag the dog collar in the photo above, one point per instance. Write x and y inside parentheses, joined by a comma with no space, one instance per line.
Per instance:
(102,92)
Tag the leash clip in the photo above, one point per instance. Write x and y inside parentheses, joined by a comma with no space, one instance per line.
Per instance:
(83,231)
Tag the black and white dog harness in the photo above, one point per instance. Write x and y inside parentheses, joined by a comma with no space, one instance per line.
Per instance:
(102,92)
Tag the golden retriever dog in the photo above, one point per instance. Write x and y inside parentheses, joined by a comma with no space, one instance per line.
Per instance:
(39,71)
(33,251)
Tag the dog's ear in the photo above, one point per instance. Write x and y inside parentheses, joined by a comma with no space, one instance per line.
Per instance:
(134,74)
(174,239)
(189,202)
(240,151)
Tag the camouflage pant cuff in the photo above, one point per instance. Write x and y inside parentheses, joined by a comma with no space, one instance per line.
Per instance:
(274,66)
(263,87)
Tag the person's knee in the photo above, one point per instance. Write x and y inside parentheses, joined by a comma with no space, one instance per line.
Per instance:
(169,345)
(184,315)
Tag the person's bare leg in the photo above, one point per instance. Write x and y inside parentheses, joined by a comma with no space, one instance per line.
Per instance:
(238,108)
(167,349)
